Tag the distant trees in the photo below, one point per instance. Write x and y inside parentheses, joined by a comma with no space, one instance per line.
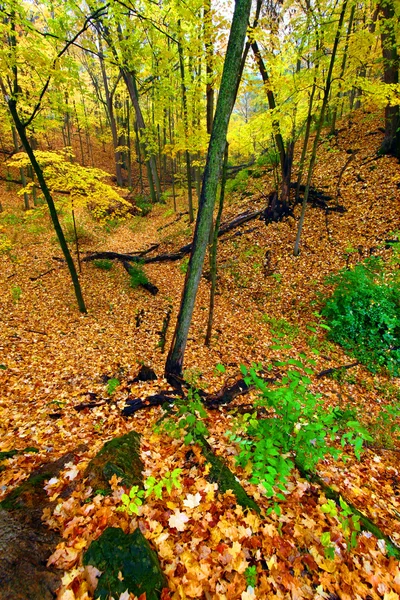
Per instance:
(391,65)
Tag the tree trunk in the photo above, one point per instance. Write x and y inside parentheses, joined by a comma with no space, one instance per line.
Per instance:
(154,181)
(213,250)
(186,126)
(208,194)
(319,127)
(391,141)
(208,39)
(342,70)
(111,117)
(12,104)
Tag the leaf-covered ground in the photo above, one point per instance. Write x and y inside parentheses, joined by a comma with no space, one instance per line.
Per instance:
(53,359)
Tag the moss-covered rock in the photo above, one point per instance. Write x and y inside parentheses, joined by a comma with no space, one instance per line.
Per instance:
(120,457)
(127,562)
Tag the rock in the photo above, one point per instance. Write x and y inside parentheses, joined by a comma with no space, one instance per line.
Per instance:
(127,562)
(25,543)
(24,551)
(120,457)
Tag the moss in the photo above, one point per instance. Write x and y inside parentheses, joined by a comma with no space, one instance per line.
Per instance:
(127,562)
(226,480)
(120,457)
(25,494)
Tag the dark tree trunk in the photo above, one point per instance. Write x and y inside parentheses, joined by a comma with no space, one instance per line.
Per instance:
(12,104)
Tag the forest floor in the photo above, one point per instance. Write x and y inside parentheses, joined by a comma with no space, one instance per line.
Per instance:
(53,359)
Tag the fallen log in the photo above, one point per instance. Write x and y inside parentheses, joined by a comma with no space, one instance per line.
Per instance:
(327,372)
(136,256)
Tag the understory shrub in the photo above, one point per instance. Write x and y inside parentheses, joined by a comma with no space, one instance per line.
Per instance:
(137,276)
(104,264)
(143,205)
(239,183)
(296,429)
(363,314)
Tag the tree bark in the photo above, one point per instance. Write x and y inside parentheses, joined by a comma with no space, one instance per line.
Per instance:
(12,104)
(319,126)
(391,141)
(208,194)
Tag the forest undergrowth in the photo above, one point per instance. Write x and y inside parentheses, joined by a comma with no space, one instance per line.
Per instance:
(53,359)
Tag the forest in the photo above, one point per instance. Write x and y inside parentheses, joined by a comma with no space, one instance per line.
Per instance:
(200,300)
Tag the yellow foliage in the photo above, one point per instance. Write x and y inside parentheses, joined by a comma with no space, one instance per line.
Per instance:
(5,244)
(86,186)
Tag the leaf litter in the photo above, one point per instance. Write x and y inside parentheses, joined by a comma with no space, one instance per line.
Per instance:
(56,360)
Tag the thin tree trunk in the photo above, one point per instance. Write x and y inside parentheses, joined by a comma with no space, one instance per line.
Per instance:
(342,70)
(21,170)
(319,127)
(306,134)
(128,143)
(111,117)
(139,158)
(186,126)
(154,180)
(391,141)
(78,127)
(208,38)
(213,250)
(208,194)
(12,104)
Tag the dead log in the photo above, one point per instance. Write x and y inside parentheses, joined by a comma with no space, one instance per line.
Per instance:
(179,254)
(150,287)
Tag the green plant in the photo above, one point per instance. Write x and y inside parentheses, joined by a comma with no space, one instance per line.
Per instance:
(137,276)
(104,264)
(297,428)
(112,224)
(364,314)
(112,385)
(132,501)
(239,183)
(69,231)
(251,576)
(348,521)
(187,419)
(385,427)
(281,328)
(16,293)
(183,267)
(5,244)
(144,205)
(168,213)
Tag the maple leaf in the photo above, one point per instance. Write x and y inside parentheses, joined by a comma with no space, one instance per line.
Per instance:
(248,594)
(72,472)
(178,520)
(192,500)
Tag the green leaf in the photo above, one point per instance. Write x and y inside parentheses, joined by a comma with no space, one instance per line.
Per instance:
(326,538)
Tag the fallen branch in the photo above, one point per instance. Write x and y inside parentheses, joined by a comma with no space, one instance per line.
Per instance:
(179,254)
(326,372)
(42,274)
